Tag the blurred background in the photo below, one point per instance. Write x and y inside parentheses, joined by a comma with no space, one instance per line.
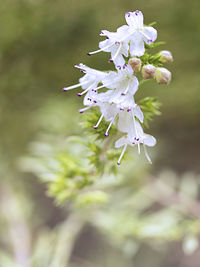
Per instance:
(40,41)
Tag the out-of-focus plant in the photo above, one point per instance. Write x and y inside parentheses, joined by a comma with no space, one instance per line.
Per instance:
(128,210)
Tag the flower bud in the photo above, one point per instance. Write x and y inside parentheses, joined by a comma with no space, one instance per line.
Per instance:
(135,64)
(163,76)
(148,71)
(166,56)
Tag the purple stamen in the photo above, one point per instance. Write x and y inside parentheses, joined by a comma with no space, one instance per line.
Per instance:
(82,71)
(121,109)
(80,111)
(64,89)
(79,94)
(123,94)
(128,14)
(118,163)
(119,67)
(129,109)
(137,12)
(95,127)
(107,37)
(100,32)
(150,41)
(117,43)
(95,101)
(110,60)
(106,134)
(88,54)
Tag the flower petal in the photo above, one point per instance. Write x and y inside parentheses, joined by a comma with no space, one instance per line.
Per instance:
(122,141)
(134,19)
(125,122)
(150,34)
(133,85)
(149,140)
(121,31)
(106,45)
(109,80)
(137,45)
(108,111)
(119,60)
(138,113)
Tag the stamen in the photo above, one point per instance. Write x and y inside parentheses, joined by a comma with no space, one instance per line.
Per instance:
(123,151)
(102,86)
(83,109)
(86,90)
(100,119)
(74,86)
(146,154)
(106,133)
(100,50)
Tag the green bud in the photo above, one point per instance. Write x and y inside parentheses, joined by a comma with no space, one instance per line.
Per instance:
(165,56)
(135,64)
(148,71)
(163,76)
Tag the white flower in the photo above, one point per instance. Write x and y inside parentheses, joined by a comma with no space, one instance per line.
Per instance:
(132,140)
(125,109)
(90,100)
(89,81)
(138,33)
(123,79)
(113,45)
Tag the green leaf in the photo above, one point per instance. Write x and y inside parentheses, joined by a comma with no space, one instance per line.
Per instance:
(150,107)
(90,120)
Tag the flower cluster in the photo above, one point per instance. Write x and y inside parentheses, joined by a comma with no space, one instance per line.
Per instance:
(117,105)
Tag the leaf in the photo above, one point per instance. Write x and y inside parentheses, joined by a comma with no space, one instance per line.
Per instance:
(150,107)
